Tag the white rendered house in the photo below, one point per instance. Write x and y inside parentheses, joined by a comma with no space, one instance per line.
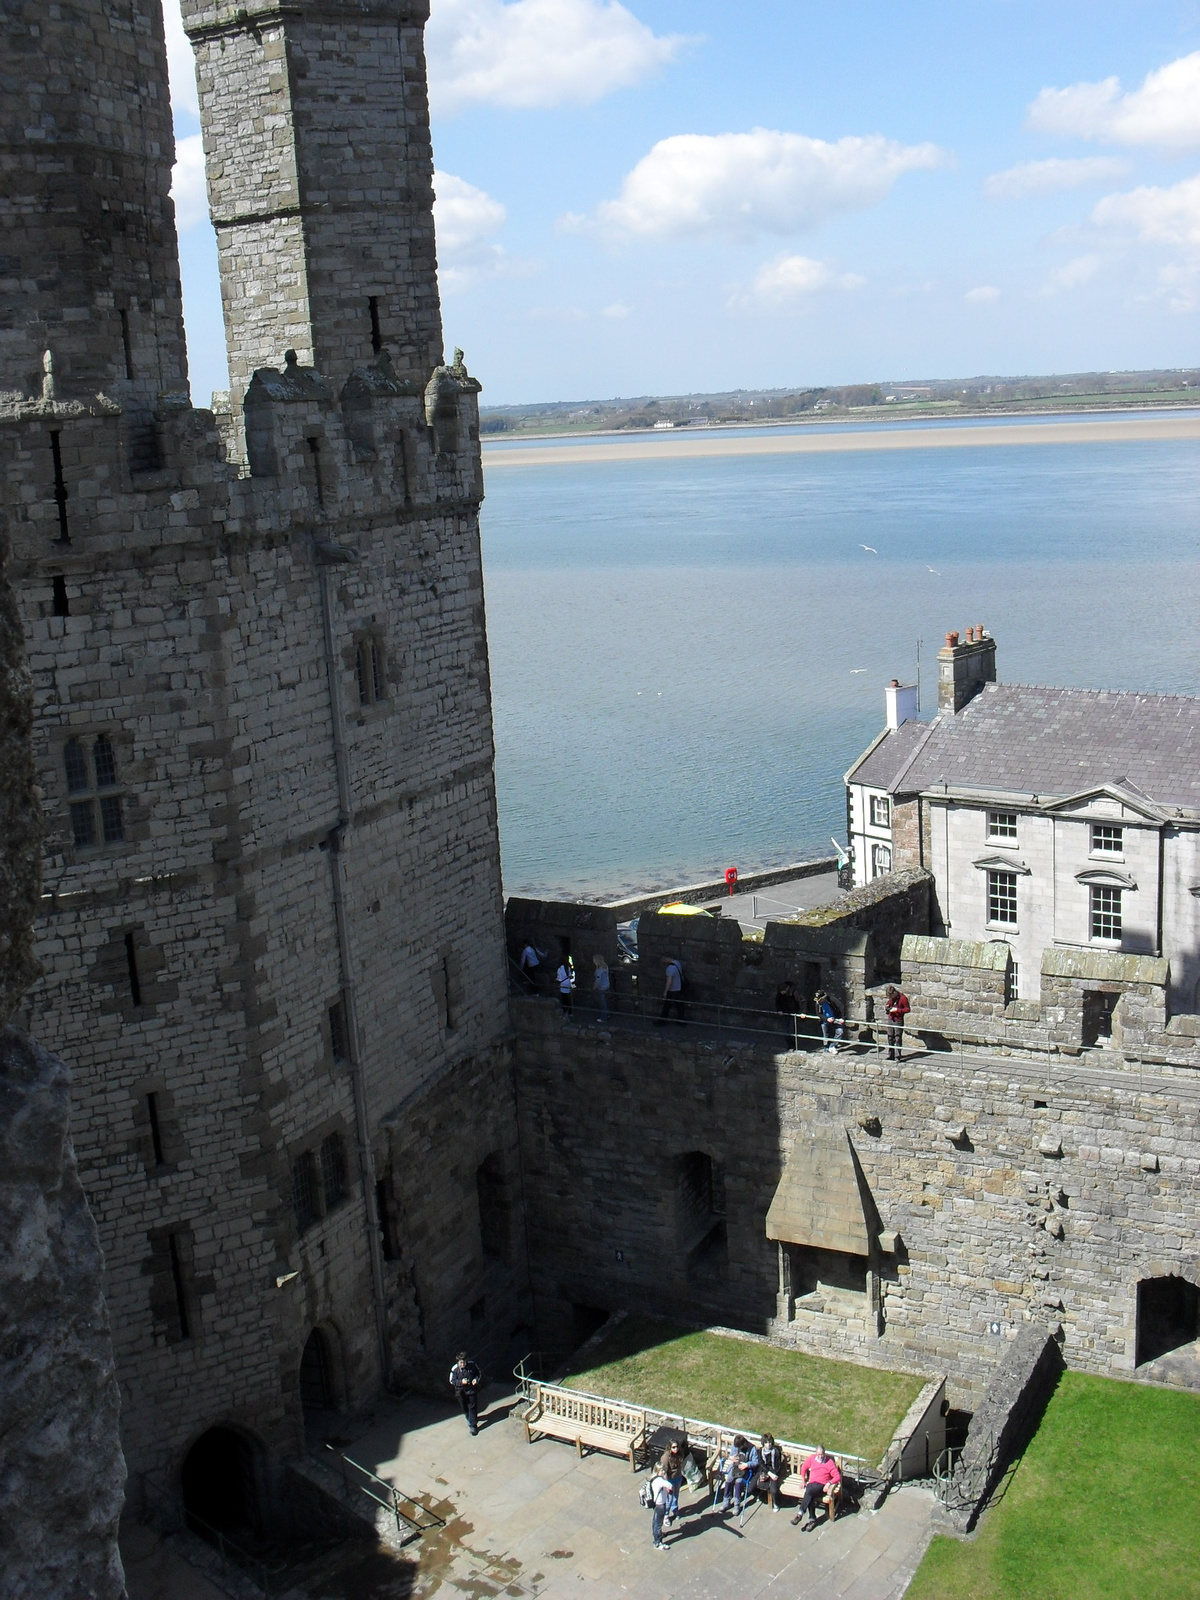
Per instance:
(1047,817)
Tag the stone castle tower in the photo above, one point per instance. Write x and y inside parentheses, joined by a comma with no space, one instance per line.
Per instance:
(271,915)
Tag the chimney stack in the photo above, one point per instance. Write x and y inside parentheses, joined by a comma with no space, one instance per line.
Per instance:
(901,703)
(964,668)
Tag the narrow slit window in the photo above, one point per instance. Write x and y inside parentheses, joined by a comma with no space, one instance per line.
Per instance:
(131,964)
(376,332)
(181,1304)
(337,1031)
(383,1212)
(368,671)
(60,487)
(155,1129)
(314,450)
(126,345)
(62,603)
(333,1171)
(304,1191)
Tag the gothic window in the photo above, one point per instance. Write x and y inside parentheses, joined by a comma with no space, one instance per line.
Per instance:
(368,669)
(93,792)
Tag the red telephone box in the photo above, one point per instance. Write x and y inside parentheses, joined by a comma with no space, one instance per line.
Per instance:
(731,878)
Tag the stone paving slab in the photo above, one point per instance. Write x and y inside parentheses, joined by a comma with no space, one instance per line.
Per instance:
(535,1520)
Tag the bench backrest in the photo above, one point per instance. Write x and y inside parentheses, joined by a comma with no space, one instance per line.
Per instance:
(590,1411)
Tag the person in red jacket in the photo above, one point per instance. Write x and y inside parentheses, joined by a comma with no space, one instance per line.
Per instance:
(821,1477)
(897,1009)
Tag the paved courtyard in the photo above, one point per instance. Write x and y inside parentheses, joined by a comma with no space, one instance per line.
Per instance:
(535,1520)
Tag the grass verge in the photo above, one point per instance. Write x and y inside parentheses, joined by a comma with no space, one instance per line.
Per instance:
(716,1378)
(1102,1506)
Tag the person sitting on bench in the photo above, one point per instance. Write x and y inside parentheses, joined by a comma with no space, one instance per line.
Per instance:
(822,1479)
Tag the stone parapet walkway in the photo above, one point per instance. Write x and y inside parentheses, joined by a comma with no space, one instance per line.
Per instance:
(535,1520)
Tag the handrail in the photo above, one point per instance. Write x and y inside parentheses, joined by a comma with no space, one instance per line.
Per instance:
(704,1432)
(177,1517)
(391,1498)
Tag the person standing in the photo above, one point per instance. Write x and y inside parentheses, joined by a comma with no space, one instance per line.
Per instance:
(530,965)
(897,1009)
(601,983)
(831,1021)
(465,1378)
(660,1490)
(673,991)
(671,1467)
(566,984)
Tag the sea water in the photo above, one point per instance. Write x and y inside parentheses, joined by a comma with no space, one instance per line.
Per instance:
(688,654)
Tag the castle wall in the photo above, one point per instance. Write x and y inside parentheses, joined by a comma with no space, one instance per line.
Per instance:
(271,905)
(1013,1194)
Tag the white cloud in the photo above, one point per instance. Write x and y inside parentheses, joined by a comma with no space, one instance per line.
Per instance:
(1048,177)
(742,184)
(985,294)
(1168,216)
(537,52)
(187,183)
(181,62)
(1077,272)
(618,311)
(1165,111)
(465,219)
(792,277)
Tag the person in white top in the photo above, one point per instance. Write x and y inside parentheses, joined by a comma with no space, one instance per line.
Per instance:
(566,983)
(601,983)
(672,992)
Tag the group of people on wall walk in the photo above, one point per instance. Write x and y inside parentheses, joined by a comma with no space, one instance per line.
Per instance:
(827,1012)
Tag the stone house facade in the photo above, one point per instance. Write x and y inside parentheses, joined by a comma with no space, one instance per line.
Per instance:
(270,930)
(1048,818)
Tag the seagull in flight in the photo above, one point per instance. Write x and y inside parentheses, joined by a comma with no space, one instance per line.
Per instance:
(874,552)
(855,670)
(934,570)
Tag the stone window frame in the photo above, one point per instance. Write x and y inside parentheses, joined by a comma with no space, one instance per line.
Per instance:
(1112,849)
(880,811)
(1001,898)
(95,793)
(1002,827)
(314,1168)
(1105,911)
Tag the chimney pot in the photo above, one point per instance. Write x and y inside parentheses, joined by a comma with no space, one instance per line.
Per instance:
(979,630)
(951,641)
(970,635)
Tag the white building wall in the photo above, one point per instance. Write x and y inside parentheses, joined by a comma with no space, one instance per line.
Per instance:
(1181,917)
(863,832)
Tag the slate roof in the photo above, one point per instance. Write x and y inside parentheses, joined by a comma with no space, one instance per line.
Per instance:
(1049,742)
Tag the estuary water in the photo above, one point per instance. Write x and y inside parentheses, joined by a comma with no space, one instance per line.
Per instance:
(687,652)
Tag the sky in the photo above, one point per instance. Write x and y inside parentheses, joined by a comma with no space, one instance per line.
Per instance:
(679,196)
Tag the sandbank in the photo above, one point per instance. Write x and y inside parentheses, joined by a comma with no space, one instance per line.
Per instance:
(677,446)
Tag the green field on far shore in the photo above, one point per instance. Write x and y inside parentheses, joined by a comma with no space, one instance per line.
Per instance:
(757,1387)
(1102,1506)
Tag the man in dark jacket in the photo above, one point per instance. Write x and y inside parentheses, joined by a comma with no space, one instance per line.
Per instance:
(465,1378)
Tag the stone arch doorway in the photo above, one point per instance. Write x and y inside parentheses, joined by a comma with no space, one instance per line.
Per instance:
(1168,1316)
(318,1375)
(220,1485)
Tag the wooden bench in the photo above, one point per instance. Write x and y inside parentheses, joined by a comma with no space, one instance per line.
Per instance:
(585,1421)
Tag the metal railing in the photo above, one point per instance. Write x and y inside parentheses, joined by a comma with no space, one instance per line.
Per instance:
(411,1523)
(709,1434)
(167,1511)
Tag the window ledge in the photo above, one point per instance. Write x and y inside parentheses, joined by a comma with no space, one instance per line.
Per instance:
(1002,927)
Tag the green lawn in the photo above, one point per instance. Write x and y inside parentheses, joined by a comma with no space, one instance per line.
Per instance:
(1104,1505)
(753,1386)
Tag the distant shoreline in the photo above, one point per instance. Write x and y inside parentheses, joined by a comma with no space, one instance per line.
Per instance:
(1154,424)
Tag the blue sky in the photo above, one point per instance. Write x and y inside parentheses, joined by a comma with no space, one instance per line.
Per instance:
(663,197)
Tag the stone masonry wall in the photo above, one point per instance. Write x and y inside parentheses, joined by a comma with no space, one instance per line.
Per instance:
(271,906)
(1012,1196)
